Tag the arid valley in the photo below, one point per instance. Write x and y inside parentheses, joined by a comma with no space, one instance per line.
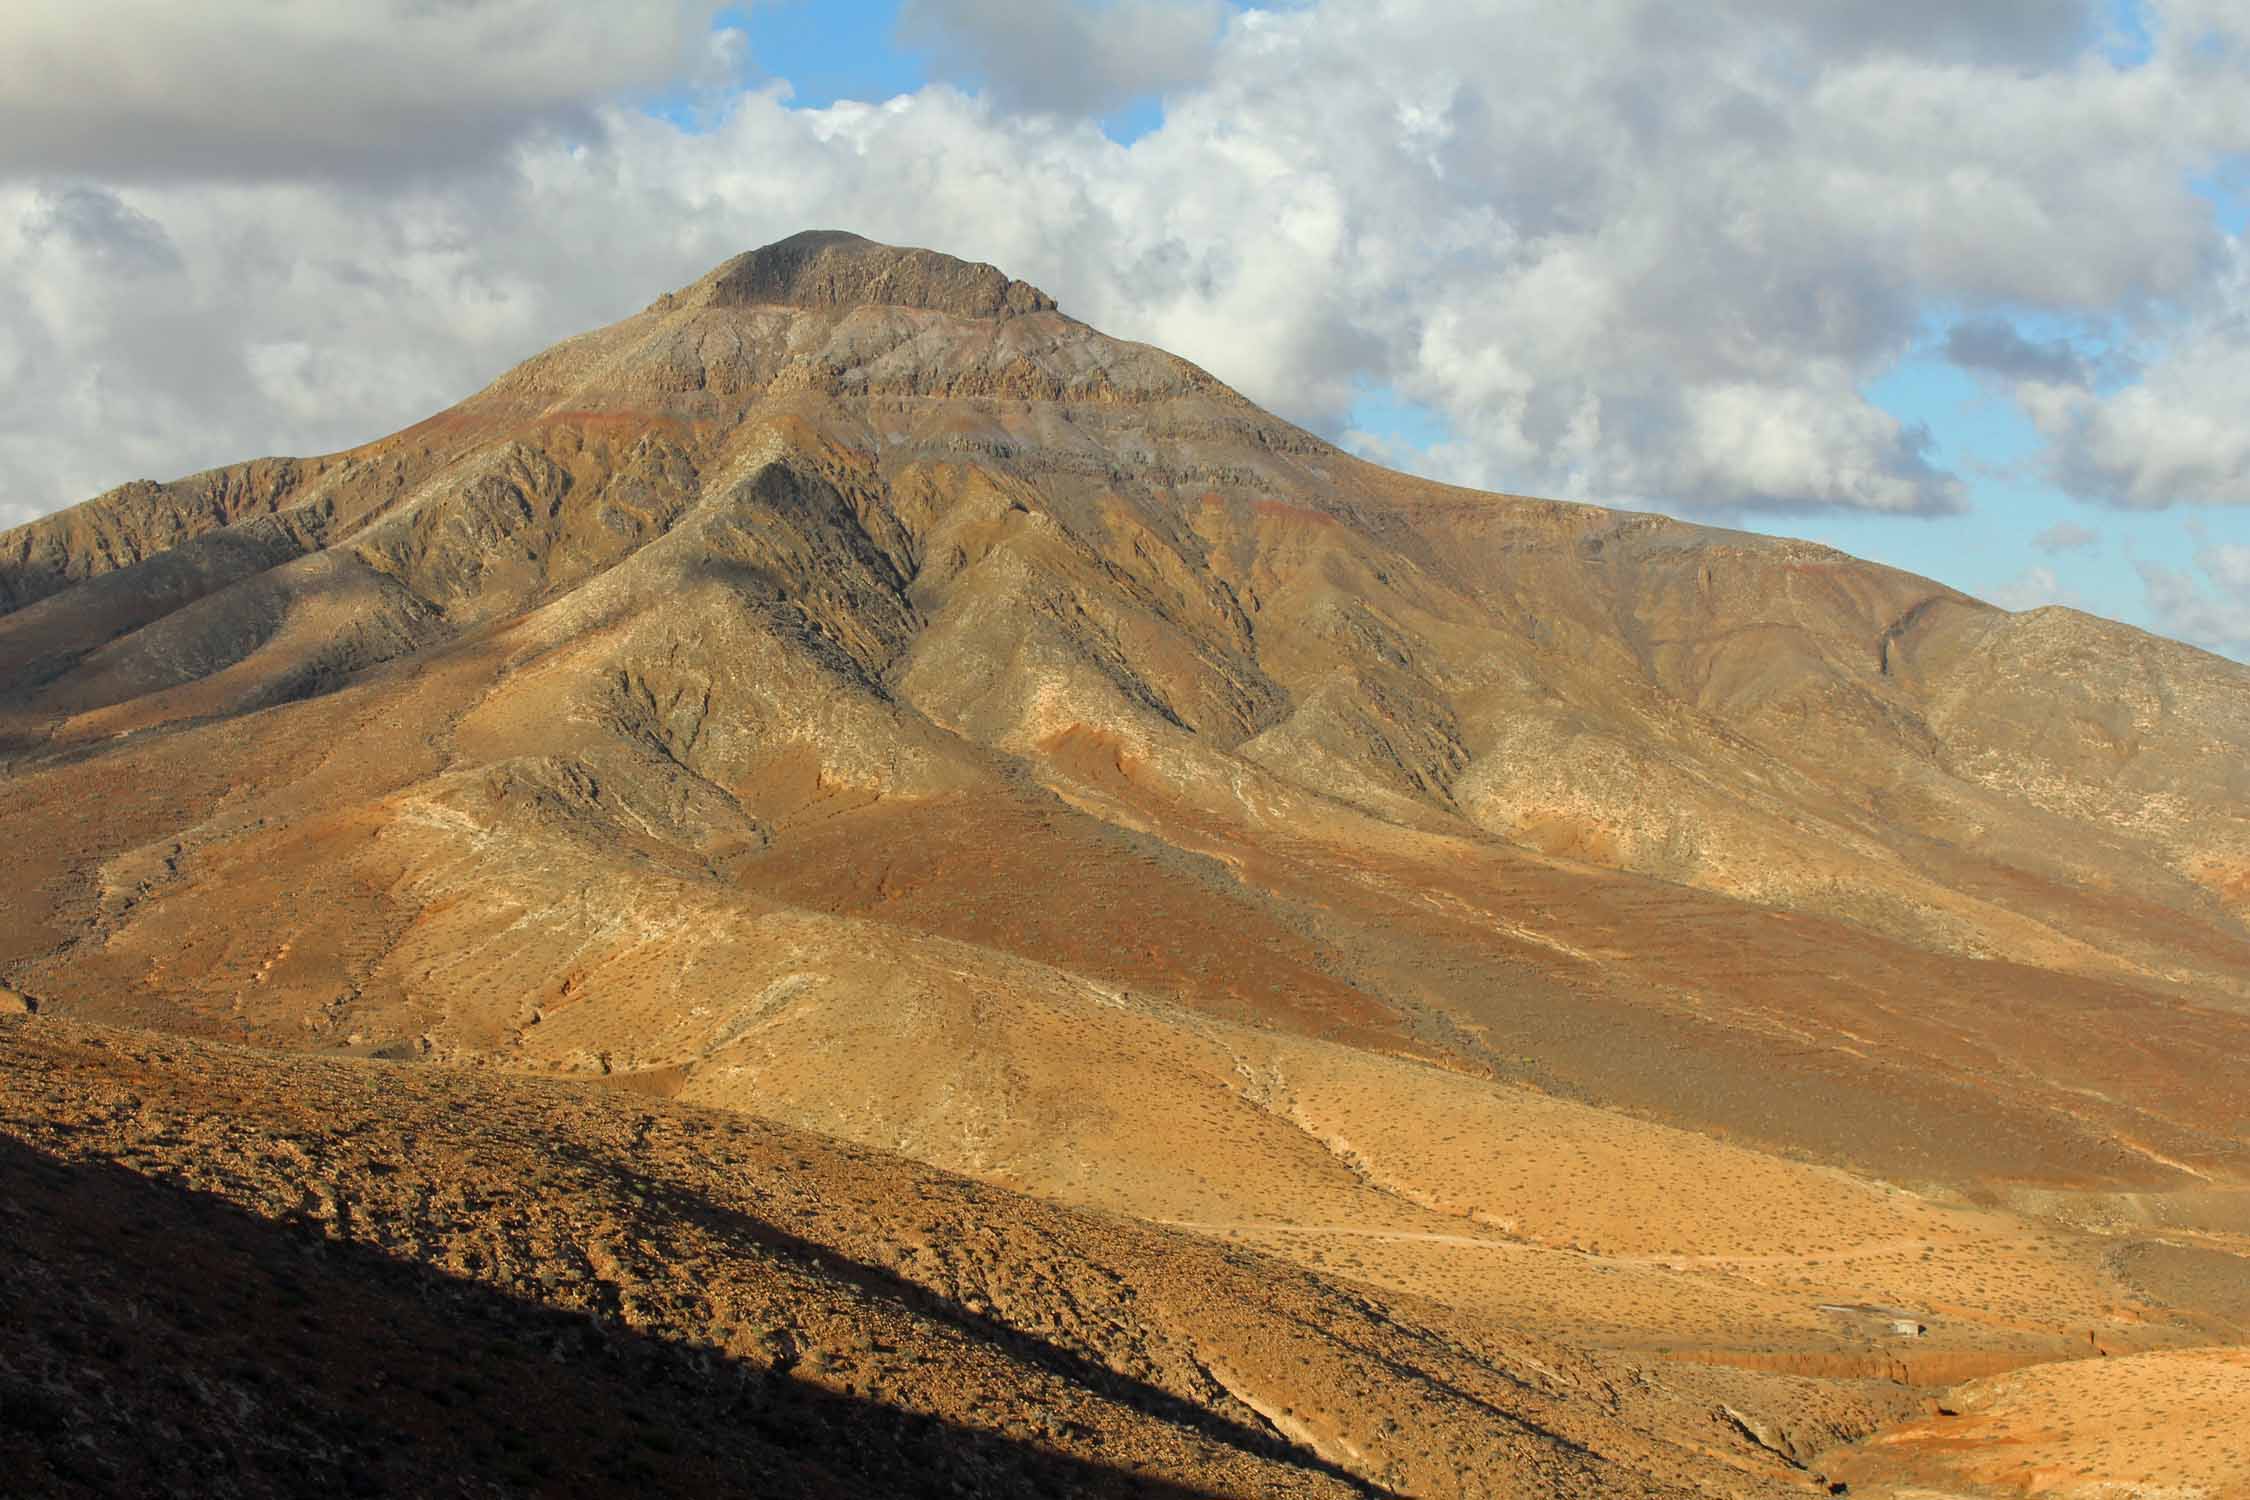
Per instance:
(849,886)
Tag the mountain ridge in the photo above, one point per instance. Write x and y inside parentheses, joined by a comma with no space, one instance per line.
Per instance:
(1150,807)
(836,268)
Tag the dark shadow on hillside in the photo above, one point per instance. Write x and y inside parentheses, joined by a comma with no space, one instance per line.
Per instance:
(876,1281)
(159,1340)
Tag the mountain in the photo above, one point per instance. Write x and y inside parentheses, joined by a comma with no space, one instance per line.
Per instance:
(853,693)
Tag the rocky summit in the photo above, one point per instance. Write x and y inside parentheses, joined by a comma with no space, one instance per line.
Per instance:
(918,899)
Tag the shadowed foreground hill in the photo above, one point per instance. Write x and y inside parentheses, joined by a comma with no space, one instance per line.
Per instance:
(235,1272)
(854,693)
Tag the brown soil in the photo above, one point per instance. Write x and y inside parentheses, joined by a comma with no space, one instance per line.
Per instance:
(231,1268)
(853,695)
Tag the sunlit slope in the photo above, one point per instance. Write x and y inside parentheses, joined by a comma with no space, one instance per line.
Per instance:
(855,692)
(746,1308)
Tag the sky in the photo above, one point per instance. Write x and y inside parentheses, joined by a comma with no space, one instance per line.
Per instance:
(1959,288)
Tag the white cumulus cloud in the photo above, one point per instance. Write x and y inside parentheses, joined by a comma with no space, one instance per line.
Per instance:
(2177,436)
(138,89)
(1625,250)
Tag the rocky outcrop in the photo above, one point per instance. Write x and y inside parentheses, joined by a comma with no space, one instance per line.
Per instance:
(826,268)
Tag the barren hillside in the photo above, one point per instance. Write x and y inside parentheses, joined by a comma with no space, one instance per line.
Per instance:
(372,1275)
(853,694)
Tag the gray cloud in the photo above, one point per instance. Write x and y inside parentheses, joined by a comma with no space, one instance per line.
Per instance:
(2065,536)
(2176,436)
(1992,344)
(2210,610)
(2228,564)
(141,90)
(1991,32)
(1639,273)
(102,228)
(1068,57)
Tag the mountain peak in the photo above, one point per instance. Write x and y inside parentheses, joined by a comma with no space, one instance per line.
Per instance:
(790,682)
(833,268)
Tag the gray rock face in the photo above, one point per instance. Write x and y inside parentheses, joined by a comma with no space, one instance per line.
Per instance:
(829,268)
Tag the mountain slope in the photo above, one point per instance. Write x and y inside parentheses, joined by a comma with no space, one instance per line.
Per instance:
(739,1306)
(853,692)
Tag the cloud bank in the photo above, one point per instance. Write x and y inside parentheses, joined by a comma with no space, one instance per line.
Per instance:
(1624,252)
(143,90)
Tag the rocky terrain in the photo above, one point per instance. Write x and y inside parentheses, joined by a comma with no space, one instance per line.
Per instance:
(368,1276)
(2153,1425)
(854,697)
